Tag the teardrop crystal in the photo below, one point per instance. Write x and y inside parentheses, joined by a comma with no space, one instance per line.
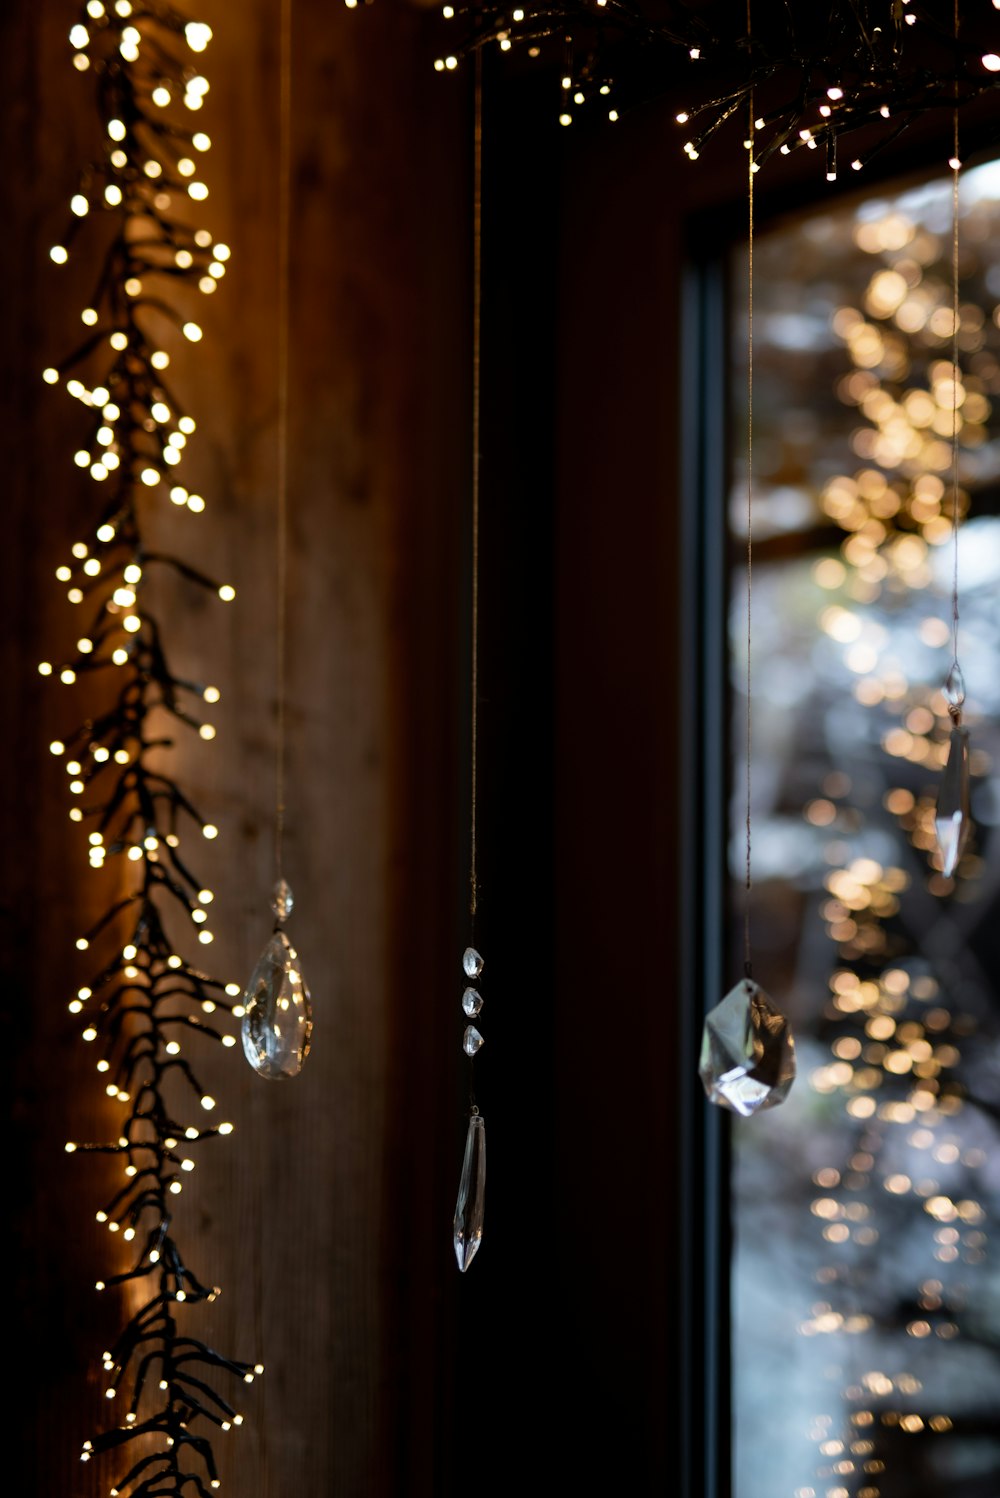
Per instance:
(954,687)
(282,900)
(472,1041)
(472,1002)
(472,963)
(277,1023)
(747,1052)
(952,821)
(468,1226)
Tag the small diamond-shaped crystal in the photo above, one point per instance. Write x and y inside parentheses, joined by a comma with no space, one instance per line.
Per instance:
(951,820)
(471,1041)
(747,1052)
(472,1002)
(472,963)
(282,900)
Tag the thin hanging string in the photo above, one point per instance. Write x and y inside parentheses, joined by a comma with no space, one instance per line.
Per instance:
(955,706)
(747,968)
(477,290)
(284,236)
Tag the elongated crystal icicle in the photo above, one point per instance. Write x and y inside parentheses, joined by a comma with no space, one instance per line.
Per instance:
(952,821)
(468,1232)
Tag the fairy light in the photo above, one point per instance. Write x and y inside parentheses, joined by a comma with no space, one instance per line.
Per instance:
(139,811)
(896,80)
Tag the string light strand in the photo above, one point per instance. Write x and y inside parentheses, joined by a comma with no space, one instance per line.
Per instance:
(144,1000)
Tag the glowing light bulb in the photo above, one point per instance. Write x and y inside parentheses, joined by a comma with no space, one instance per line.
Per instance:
(227,593)
(201,141)
(79,36)
(118,341)
(208,1103)
(59,254)
(226,1128)
(150,476)
(106,533)
(116,129)
(198,36)
(159,359)
(192,332)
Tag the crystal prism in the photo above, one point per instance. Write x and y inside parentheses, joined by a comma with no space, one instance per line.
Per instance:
(277,1024)
(471,1041)
(472,1002)
(951,820)
(747,1052)
(468,1227)
(472,963)
(954,687)
(282,900)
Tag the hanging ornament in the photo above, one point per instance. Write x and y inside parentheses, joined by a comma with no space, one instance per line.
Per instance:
(747,1051)
(467,1229)
(952,821)
(277,1022)
(468,1233)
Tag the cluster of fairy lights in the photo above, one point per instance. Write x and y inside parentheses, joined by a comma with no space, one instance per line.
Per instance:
(822,82)
(144,1001)
(896,1044)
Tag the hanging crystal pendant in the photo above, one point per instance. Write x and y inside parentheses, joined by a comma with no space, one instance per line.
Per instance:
(472,1002)
(472,1041)
(277,1021)
(747,1052)
(952,822)
(472,963)
(468,1227)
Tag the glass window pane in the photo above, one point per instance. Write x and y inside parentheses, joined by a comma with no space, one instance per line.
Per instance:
(865,1277)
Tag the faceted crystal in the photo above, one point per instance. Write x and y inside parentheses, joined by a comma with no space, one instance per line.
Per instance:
(472,1002)
(954,687)
(471,1041)
(472,963)
(282,900)
(952,821)
(747,1052)
(277,1025)
(468,1228)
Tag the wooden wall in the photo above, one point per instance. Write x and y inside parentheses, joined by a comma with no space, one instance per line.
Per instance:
(326,1218)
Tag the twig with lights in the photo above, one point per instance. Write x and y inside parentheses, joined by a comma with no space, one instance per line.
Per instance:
(145,999)
(822,75)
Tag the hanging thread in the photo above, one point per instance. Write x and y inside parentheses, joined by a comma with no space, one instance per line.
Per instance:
(284,236)
(477,292)
(747,967)
(955,675)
